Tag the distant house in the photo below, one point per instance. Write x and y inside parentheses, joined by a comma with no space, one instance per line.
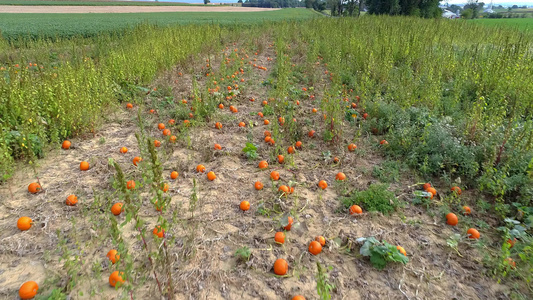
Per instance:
(489,11)
(449,15)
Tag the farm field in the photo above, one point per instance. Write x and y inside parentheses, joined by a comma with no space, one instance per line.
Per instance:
(268,160)
(92,3)
(518,23)
(14,26)
(43,9)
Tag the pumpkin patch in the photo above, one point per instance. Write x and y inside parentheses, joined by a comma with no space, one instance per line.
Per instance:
(390,160)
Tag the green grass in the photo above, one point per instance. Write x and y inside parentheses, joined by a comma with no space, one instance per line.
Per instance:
(92,3)
(519,23)
(14,26)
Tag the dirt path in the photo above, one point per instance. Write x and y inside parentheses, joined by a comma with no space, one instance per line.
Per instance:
(124,9)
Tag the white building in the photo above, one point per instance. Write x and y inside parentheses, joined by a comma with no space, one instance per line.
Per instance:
(449,15)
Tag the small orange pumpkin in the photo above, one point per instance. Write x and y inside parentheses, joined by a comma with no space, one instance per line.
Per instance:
(245,205)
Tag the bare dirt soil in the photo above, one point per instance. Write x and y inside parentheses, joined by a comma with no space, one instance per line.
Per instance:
(204,263)
(46,9)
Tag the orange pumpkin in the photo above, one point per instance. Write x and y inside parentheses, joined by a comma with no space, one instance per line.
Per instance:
(473,233)
(315,248)
(290,150)
(456,190)
(244,206)
(355,210)
(281,267)
(136,160)
(34,188)
(402,250)
(451,219)
(24,223)
(279,237)
(321,240)
(322,184)
(84,166)
(159,231)
(340,176)
(289,225)
(71,200)
(258,185)
(113,256)
(116,209)
(115,279)
(28,290)
(65,145)
(130,185)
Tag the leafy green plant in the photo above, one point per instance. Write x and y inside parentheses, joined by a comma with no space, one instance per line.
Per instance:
(388,171)
(268,110)
(193,199)
(323,286)
(243,253)
(381,252)
(250,151)
(453,242)
(375,198)
(422,198)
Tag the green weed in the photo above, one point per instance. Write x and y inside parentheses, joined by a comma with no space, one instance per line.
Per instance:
(381,252)
(375,198)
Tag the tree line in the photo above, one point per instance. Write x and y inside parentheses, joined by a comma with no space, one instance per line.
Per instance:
(422,8)
(272,3)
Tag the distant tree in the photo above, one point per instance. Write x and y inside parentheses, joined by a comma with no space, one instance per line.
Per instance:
(422,8)
(320,5)
(514,6)
(430,9)
(467,13)
(309,3)
(335,7)
(206,1)
(351,6)
(383,7)
(475,7)
(454,8)
(240,1)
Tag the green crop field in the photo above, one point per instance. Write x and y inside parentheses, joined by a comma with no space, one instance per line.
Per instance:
(272,155)
(14,26)
(518,23)
(91,3)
